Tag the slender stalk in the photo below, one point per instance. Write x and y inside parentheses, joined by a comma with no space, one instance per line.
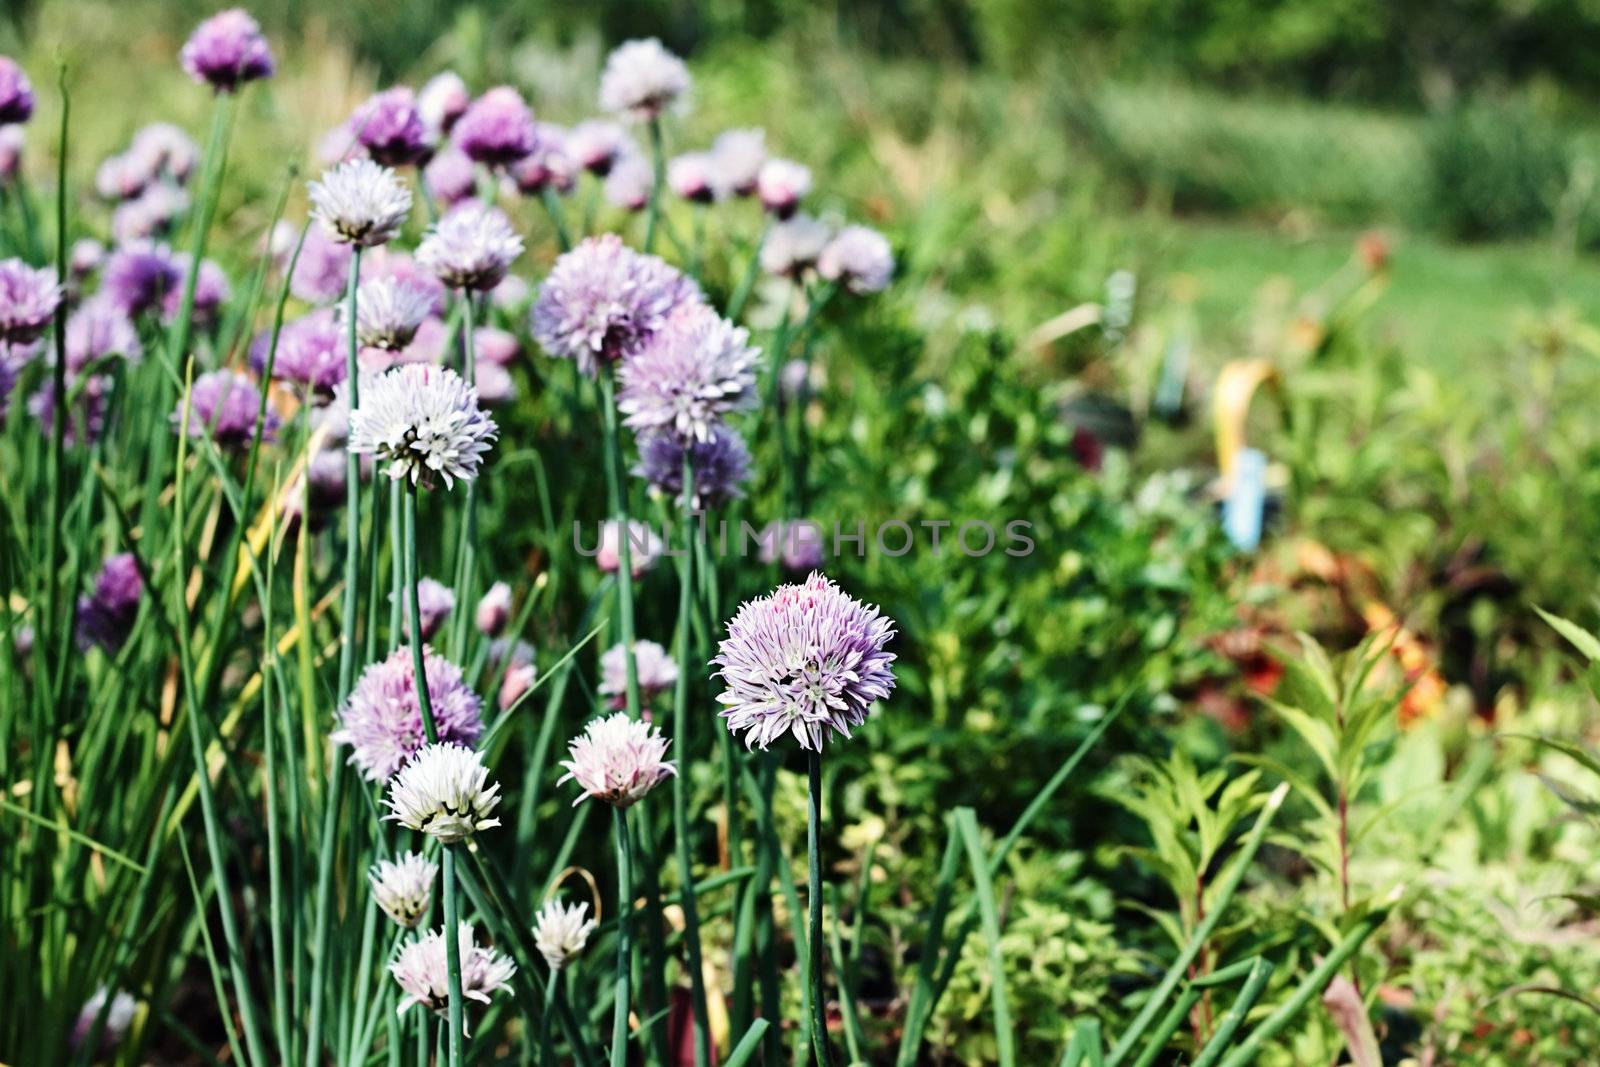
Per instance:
(352,492)
(680,781)
(819,1004)
(466,549)
(418,668)
(619,511)
(58,425)
(452,950)
(658,162)
(619,1011)
(552,205)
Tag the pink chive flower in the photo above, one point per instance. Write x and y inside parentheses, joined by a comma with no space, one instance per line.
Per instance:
(641,80)
(804,659)
(106,616)
(617,760)
(471,247)
(323,269)
(497,129)
(29,297)
(435,602)
(644,547)
(449,177)
(98,330)
(224,406)
(227,50)
(139,275)
(423,975)
(721,465)
(211,291)
(689,375)
(494,610)
(602,301)
(442,101)
(738,156)
(781,183)
(595,145)
(693,176)
(12,141)
(860,258)
(793,246)
(382,719)
(16,93)
(657,672)
(389,125)
(311,352)
(628,183)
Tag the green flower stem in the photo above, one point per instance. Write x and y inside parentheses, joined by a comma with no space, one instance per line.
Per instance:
(618,495)
(50,631)
(658,162)
(680,782)
(619,1011)
(466,550)
(418,664)
(814,946)
(452,949)
(552,205)
(397,593)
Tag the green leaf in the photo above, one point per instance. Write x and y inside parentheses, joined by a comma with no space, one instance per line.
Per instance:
(1581,639)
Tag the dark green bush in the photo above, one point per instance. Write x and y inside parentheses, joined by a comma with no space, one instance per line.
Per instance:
(1496,168)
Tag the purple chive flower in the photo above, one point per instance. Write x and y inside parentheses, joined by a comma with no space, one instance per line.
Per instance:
(9,369)
(382,719)
(391,128)
(442,101)
(644,547)
(150,214)
(617,760)
(642,79)
(323,482)
(211,291)
(602,301)
(472,247)
(657,672)
(628,184)
(494,610)
(388,312)
(495,346)
(311,352)
(29,297)
(139,275)
(106,615)
(435,602)
(400,267)
(12,142)
(323,269)
(227,50)
(223,405)
(422,973)
(693,176)
(118,1018)
(596,145)
(860,258)
(16,93)
(780,184)
(88,396)
(548,166)
(497,129)
(796,545)
(689,375)
(450,177)
(793,246)
(422,421)
(511,294)
(495,385)
(119,178)
(803,659)
(721,465)
(162,150)
(738,156)
(360,203)
(87,256)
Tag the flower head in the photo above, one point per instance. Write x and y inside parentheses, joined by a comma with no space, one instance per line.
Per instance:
(139,275)
(450,177)
(382,719)
(797,546)
(435,602)
(162,150)
(497,129)
(360,203)
(780,184)
(689,375)
(443,100)
(657,672)
(422,421)
(628,183)
(151,213)
(119,1016)
(87,256)
(311,352)
(793,246)
(560,932)
(805,658)
(641,80)
(390,127)
(12,142)
(494,610)
(471,247)
(860,257)
(495,346)
(694,177)
(602,301)
(422,970)
(29,297)
(388,312)
(721,465)
(595,145)
(99,330)
(323,269)
(88,395)
(617,760)
(227,50)
(224,405)
(443,791)
(403,888)
(16,93)
(211,291)
(106,615)
(738,156)
(547,167)
(644,547)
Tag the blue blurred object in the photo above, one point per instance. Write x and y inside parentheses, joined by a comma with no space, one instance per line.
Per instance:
(1246,501)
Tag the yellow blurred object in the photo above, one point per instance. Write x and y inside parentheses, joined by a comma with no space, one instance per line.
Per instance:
(1230,407)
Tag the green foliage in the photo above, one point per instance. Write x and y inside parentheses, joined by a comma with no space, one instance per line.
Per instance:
(1497,168)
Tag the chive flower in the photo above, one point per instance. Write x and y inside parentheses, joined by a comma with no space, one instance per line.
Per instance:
(227,50)
(106,615)
(381,720)
(403,888)
(29,297)
(738,156)
(471,247)
(444,792)
(689,375)
(617,760)
(641,80)
(389,125)
(657,672)
(16,93)
(721,465)
(422,421)
(780,184)
(860,258)
(389,309)
(360,203)
(560,932)
(596,144)
(422,971)
(224,405)
(497,128)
